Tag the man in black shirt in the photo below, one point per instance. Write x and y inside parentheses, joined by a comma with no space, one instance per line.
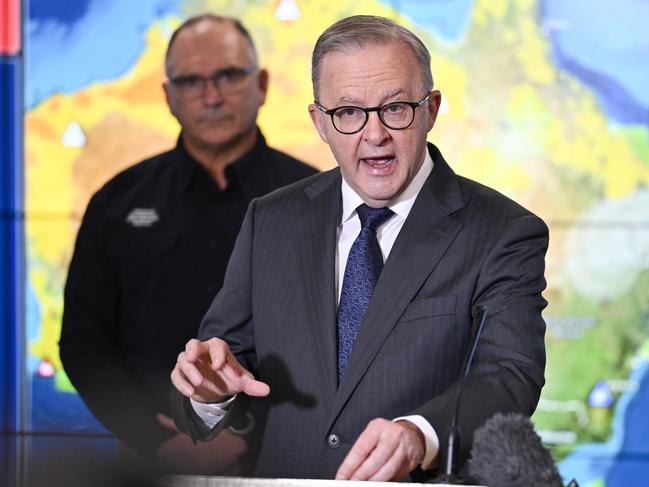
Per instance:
(155,241)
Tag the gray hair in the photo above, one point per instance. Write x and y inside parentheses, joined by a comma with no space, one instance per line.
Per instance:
(360,30)
(212,18)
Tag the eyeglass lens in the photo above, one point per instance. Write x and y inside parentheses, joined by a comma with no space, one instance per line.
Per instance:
(227,81)
(394,116)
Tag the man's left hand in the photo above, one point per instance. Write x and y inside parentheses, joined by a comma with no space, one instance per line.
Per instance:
(384,451)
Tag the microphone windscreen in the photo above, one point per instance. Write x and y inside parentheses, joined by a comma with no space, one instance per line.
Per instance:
(507,452)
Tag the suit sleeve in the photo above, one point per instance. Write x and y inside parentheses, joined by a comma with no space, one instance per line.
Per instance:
(229,318)
(89,344)
(508,372)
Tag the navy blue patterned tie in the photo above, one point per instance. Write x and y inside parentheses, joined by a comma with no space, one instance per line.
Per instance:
(363,268)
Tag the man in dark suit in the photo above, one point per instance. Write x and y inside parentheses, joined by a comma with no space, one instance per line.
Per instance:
(351,297)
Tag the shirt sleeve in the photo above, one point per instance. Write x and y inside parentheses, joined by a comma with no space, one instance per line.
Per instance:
(212,413)
(430,437)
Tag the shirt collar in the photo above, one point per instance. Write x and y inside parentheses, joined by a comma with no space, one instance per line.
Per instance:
(401,205)
(239,173)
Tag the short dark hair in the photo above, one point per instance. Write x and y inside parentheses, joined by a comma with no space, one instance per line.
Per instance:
(360,30)
(213,18)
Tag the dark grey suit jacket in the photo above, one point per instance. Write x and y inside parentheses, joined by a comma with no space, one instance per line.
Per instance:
(463,247)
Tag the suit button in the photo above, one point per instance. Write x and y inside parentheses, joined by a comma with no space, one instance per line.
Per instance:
(333,441)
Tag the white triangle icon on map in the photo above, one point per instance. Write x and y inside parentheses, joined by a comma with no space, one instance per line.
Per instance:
(73,136)
(287,11)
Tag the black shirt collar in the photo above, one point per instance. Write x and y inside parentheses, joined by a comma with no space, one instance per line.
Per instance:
(242,173)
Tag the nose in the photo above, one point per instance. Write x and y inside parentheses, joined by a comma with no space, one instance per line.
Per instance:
(212,94)
(375,132)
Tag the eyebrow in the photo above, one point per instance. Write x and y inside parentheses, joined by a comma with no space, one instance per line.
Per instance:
(214,73)
(386,96)
(393,93)
(347,99)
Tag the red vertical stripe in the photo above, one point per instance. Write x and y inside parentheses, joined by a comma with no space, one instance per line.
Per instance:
(9,26)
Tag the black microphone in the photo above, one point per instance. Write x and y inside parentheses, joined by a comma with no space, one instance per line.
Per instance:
(507,452)
(449,455)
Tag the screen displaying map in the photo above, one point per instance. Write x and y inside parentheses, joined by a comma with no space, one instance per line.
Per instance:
(544,100)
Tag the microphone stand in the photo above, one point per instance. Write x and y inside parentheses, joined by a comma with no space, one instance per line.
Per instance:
(449,455)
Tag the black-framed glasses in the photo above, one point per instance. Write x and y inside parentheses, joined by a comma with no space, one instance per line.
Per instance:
(349,120)
(227,80)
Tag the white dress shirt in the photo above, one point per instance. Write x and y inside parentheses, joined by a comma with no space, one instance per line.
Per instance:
(348,230)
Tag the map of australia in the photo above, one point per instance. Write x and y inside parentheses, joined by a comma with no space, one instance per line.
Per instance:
(522,112)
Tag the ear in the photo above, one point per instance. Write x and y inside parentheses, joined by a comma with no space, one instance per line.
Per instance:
(434,102)
(262,83)
(319,121)
(166,87)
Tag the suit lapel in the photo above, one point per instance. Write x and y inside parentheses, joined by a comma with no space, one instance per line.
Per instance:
(317,254)
(423,240)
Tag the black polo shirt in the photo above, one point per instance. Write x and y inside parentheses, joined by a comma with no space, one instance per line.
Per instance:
(150,255)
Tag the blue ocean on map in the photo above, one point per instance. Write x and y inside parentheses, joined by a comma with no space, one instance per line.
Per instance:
(73,44)
(622,459)
(602,43)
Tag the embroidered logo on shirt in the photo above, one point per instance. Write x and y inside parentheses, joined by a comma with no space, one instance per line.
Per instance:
(142,217)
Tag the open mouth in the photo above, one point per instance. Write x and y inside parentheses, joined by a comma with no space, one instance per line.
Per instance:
(379,166)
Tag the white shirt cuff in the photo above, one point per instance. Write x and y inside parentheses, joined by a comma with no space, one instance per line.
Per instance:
(212,413)
(430,438)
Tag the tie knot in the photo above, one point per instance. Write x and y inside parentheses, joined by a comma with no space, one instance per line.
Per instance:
(373,217)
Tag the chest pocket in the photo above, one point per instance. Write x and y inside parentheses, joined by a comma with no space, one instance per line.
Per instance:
(430,307)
